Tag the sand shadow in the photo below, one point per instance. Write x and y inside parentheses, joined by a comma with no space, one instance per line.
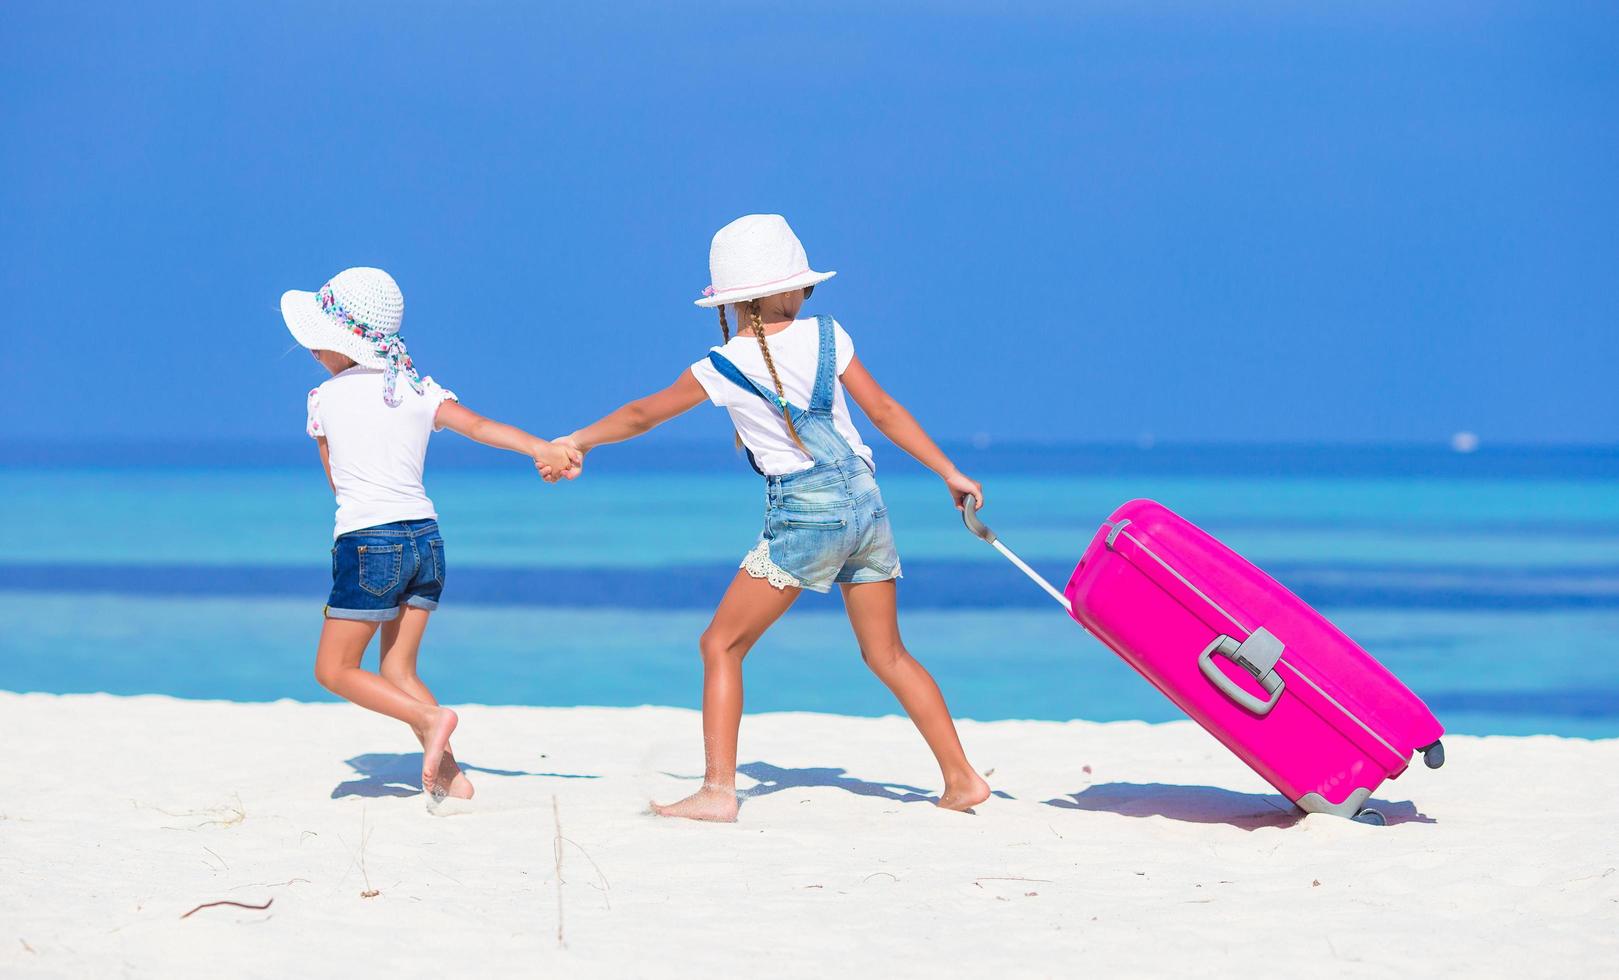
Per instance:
(400,774)
(1210,804)
(774,779)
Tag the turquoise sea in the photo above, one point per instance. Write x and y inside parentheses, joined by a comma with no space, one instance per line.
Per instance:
(1488,581)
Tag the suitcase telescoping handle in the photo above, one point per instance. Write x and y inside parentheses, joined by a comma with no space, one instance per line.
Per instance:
(969,516)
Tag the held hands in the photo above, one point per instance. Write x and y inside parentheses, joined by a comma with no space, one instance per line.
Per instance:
(961,485)
(558,460)
(569,445)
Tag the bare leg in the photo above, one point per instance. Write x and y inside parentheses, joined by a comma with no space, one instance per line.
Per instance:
(337,668)
(401,642)
(875,618)
(749,607)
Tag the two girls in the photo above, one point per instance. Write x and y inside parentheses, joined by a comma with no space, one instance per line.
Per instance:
(782,379)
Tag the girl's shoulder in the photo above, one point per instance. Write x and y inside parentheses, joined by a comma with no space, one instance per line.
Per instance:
(807,329)
(814,322)
(435,393)
(837,326)
(731,345)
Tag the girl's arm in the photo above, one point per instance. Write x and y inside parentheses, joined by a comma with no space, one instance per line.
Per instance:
(326,461)
(641,415)
(551,460)
(891,418)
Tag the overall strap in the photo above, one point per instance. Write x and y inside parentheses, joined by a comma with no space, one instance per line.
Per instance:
(732,373)
(826,366)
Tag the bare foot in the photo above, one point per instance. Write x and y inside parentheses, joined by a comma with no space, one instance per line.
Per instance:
(452,779)
(965,793)
(435,738)
(708,803)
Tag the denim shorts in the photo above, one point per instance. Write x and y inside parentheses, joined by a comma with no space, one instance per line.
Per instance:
(375,570)
(828,524)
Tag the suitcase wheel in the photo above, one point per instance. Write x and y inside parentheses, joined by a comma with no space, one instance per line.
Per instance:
(1371,816)
(1433,756)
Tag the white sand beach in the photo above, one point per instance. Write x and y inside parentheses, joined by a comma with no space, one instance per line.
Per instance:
(1118,849)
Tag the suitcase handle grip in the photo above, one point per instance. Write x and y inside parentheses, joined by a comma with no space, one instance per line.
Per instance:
(969,517)
(1226,647)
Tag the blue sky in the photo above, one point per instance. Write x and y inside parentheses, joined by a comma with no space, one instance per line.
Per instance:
(1248,222)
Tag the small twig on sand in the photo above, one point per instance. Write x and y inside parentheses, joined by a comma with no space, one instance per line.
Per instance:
(357,859)
(208,905)
(365,837)
(222,861)
(272,884)
(556,857)
(219,816)
(1012,878)
(441,874)
(876,873)
(607,886)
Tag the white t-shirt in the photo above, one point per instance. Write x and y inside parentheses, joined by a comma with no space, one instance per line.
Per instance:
(795,351)
(375,449)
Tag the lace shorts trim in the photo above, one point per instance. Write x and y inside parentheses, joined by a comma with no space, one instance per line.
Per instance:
(757,564)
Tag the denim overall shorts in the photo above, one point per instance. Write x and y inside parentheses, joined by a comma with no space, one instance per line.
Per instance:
(825,524)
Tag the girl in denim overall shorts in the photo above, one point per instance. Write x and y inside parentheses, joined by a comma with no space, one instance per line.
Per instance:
(372,420)
(825,522)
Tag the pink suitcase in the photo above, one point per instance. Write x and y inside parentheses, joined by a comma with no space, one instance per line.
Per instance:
(1261,671)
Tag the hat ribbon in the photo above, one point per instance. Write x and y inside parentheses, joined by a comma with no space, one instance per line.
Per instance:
(389,346)
(710,290)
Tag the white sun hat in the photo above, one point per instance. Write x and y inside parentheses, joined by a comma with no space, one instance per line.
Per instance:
(756,255)
(357,314)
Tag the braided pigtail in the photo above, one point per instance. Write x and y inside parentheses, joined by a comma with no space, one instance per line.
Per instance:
(781,396)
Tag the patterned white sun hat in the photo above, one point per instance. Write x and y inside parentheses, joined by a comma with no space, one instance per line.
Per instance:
(756,255)
(357,314)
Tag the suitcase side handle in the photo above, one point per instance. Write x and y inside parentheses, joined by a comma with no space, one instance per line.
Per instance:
(1228,648)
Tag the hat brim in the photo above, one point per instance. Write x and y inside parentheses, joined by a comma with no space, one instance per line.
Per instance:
(312,328)
(809,277)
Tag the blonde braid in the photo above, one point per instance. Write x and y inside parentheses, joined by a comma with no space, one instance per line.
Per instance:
(770,365)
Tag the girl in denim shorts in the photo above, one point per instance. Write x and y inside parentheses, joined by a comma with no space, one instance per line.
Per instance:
(782,380)
(372,420)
